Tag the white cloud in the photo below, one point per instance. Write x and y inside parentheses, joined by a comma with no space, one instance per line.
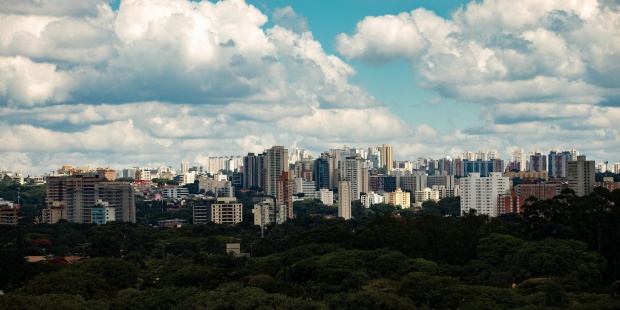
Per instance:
(288,18)
(501,50)
(163,81)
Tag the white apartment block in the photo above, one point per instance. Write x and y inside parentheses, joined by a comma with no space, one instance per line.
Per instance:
(371,199)
(426,194)
(481,193)
(325,196)
(174,192)
(308,188)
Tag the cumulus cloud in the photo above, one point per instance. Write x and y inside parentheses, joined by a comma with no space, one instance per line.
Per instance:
(288,18)
(492,51)
(166,80)
(158,82)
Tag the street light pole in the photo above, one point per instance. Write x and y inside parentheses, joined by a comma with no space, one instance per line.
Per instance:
(84,250)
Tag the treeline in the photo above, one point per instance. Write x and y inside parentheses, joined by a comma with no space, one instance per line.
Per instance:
(562,254)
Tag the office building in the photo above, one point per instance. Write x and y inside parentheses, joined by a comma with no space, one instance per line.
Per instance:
(323,172)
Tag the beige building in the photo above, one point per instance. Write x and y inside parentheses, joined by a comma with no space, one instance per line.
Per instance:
(544,174)
(73,198)
(426,194)
(344,200)
(8,213)
(398,198)
(386,157)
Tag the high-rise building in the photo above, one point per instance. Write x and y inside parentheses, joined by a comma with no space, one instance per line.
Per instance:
(538,161)
(285,192)
(492,154)
(518,159)
(386,157)
(323,173)
(481,193)
(468,155)
(276,162)
(357,175)
(482,155)
(581,176)
(303,168)
(344,200)
(184,167)
(558,163)
(74,197)
(253,168)
(483,167)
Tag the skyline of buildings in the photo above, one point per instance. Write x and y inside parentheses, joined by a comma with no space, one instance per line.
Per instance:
(85,195)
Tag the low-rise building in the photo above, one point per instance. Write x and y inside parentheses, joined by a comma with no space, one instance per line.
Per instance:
(325,196)
(8,213)
(426,194)
(398,198)
(371,198)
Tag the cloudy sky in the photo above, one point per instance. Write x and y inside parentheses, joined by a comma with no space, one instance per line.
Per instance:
(153,82)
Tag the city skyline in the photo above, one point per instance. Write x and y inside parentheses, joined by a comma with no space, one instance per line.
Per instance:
(120,83)
(232,162)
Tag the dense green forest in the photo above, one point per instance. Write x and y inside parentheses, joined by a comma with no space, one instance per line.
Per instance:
(561,254)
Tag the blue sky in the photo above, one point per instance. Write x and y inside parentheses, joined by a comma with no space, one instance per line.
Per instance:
(150,83)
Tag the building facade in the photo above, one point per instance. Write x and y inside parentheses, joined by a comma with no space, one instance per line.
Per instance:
(481,193)
(344,200)
(398,198)
(581,176)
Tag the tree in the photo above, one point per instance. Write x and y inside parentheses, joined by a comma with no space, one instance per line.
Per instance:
(118,273)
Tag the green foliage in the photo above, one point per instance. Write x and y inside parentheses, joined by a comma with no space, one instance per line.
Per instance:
(562,254)
(68,281)
(118,273)
(43,302)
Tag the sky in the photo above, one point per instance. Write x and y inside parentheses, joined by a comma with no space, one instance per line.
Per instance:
(150,83)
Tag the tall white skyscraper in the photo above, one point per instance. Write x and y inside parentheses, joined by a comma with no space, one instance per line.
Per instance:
(518,157)
(481,193)
(468,155)
(184,167)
